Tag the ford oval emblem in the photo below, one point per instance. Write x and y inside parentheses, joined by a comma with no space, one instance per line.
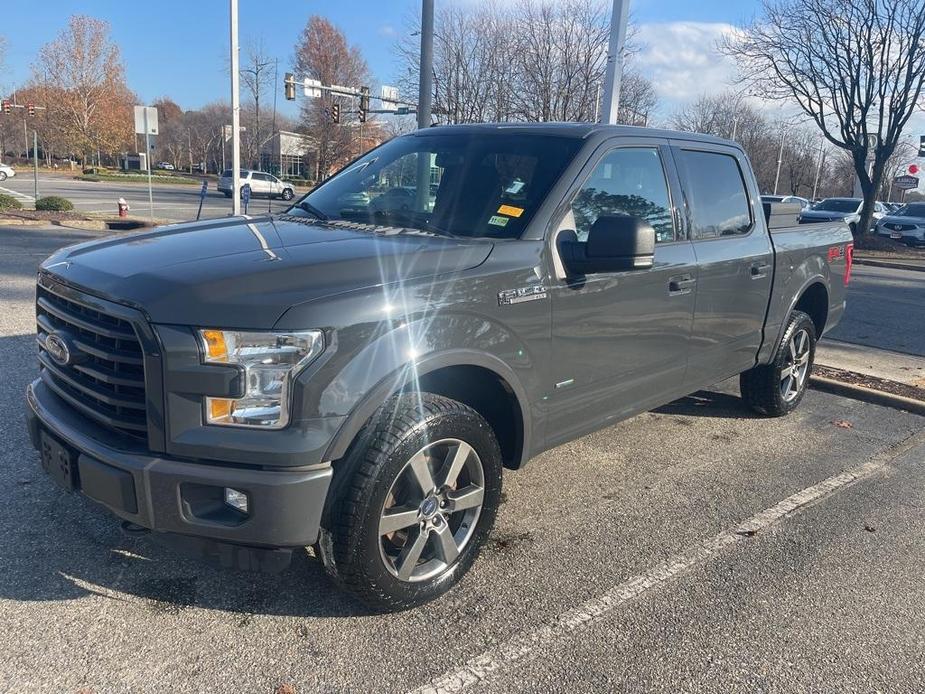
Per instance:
(57,349)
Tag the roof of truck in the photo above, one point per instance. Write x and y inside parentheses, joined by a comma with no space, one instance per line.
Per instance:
(576,130)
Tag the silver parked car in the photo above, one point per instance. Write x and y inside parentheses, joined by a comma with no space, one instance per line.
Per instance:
(906,225)
(262,184)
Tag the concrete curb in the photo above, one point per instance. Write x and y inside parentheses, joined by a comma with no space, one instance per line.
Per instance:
(889,264)
(16,222)
(871,395)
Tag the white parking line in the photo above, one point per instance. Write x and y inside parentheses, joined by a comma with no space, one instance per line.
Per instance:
(523,645)
(21,196)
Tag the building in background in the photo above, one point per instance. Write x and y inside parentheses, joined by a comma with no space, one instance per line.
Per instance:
(289,155)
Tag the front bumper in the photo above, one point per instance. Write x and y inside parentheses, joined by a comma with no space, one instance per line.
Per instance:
(181,496)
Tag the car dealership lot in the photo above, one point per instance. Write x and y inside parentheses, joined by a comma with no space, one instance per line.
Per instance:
(828,598)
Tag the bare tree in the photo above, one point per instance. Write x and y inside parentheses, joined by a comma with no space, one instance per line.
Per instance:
(533,60)
(257,75)
(323,53)
(855,67)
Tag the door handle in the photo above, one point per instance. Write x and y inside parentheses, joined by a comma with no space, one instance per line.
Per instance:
(759,270)
(679,285)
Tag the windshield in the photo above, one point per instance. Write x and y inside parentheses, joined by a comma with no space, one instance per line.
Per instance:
(461,184)
(913,209)
(837,205)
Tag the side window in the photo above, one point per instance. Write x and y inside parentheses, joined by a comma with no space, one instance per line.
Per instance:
(628,181)
(715,192)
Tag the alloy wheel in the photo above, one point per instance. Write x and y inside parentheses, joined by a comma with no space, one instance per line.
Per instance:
(431,511)
(796,365)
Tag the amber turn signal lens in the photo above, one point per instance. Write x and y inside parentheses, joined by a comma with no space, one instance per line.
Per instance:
(215,344)
(219,408)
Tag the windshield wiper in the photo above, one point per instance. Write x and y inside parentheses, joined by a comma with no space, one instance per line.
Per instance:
(312,210)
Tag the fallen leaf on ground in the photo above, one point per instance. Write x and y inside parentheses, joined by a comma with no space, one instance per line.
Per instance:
(843,424)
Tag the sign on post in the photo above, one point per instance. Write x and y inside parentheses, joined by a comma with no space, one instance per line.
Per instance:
(311,88)
(246,195)
(389,98)
(145,120)
(906,182)
(146,124)
(922,145)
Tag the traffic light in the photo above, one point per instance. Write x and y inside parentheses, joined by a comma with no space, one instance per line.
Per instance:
(30,107)
(7,106)
(289,84)
(364,103)
(335,113)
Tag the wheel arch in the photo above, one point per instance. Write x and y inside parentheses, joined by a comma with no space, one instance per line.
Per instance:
(477,379)
(813,300)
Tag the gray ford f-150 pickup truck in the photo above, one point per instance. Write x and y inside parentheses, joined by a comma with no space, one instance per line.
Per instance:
(354,377)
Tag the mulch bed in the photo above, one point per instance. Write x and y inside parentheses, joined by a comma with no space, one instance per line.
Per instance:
(871,382)
(43,215)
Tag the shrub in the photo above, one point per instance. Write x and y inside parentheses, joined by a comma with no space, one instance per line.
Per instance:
(53,203)
(8,202)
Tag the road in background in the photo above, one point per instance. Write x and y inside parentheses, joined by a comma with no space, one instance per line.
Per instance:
(830,599)
(886,309)
(173,202)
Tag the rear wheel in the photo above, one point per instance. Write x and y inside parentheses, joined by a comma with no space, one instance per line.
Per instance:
(777,388)
(2,175)
(424,487)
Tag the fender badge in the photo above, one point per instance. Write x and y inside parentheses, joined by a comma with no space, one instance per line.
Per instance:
(507,297)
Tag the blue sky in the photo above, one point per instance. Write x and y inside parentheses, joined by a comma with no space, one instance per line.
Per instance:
(180,48)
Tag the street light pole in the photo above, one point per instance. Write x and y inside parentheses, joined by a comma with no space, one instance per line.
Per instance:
(425,100)
(235,114)
(780,159)
(614,74)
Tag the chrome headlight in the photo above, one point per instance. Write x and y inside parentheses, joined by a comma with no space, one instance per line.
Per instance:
(269,361)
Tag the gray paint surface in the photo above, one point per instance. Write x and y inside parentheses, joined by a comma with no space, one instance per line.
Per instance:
(395,307)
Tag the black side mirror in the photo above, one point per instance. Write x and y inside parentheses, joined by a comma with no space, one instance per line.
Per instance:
(615,243)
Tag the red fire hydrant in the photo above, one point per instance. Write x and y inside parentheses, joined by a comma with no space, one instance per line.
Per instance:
(123,207)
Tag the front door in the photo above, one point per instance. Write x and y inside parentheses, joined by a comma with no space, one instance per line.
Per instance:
(620,339)
(735,261)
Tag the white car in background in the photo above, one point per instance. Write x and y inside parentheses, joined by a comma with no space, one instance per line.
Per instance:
(262,184)
(6,172)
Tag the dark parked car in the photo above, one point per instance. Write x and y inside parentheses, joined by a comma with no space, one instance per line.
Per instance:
(334,378)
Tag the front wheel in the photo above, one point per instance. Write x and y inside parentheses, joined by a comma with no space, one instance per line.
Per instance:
(777,388)
(288,194)
(423,488)
(2,175)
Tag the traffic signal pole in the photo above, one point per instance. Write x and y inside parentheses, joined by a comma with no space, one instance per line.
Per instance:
(425,100)
(235,114)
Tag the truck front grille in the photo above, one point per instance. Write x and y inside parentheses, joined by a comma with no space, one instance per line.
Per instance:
(103,378)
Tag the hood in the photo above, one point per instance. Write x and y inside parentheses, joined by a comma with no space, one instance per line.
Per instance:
(891,220)
(245,272)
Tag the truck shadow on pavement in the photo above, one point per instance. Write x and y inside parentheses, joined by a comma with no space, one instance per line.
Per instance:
(62,546)
(708,403)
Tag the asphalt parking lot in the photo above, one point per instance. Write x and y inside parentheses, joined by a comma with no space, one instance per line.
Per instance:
(696,548)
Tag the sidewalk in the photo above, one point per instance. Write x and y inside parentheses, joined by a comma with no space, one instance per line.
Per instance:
(870,361)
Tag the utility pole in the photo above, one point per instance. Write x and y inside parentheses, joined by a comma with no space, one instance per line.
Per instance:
(35,165)
(819,165)
(780,158)
(425,98)
(618,20)
(235,114)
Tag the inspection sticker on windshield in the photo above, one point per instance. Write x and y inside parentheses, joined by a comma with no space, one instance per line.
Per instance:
(499,221)
(510,210)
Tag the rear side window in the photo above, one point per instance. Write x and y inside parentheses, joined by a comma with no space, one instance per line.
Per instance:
(715,192)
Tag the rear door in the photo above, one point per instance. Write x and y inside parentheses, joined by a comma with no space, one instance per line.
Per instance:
(734,260)
(620,339)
